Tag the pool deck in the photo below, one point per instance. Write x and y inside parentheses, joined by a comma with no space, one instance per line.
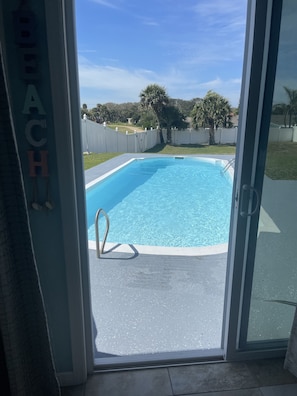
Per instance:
(154,302)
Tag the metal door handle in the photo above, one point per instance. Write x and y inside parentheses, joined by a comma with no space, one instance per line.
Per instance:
(245,188)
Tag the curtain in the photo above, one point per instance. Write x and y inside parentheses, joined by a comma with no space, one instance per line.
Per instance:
(25,353)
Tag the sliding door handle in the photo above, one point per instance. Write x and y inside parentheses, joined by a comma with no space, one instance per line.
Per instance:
(245,200)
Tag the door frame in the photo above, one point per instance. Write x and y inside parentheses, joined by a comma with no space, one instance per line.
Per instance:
(261,50)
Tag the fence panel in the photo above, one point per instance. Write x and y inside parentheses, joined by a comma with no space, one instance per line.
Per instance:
(98,138)
(226,135)
(281,135)
(189,136)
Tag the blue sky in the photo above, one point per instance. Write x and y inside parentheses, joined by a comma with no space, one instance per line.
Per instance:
(188,47)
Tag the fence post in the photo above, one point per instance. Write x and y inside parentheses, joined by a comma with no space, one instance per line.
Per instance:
(295,133)
(135,141)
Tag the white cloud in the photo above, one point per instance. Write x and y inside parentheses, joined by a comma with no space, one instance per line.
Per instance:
(87,51)
(95,76)
(148,22)
(106,3)
(220,8)
(229,88)
(101,84)
(111,84)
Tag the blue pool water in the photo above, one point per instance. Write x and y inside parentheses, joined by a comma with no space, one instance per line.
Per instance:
(178,202)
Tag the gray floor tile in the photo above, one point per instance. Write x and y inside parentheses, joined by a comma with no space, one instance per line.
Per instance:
(154,382)
(211,378)
(280,390)
(73,390)
(271,372)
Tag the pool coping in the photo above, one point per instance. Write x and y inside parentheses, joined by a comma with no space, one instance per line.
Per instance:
(162,250)
(99,172)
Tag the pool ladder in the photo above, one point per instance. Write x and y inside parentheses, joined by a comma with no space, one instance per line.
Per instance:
(227,166)
(98,250)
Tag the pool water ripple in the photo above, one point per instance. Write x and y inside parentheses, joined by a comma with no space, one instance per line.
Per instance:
(164,202)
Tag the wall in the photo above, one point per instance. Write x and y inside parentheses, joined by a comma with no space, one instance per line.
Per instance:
(37,40)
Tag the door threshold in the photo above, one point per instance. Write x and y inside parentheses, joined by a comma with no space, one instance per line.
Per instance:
(157,360)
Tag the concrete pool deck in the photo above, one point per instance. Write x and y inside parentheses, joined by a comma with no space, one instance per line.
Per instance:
(147,302)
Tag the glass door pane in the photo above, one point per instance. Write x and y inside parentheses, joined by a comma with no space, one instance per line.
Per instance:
(274,275)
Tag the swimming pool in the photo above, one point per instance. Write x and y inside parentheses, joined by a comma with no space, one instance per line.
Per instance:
(164,201)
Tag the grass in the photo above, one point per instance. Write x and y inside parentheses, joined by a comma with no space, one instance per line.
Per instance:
(192,149)
(281,161)
(91,160)
(123,127)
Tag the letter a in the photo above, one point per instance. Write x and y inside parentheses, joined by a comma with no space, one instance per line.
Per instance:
(32,100)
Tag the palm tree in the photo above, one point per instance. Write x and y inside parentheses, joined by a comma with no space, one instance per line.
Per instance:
(172,117)
(291,108)
(155,98)
(211,112)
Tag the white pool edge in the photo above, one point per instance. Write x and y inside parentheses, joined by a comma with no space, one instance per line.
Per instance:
(162,250)
(98,179)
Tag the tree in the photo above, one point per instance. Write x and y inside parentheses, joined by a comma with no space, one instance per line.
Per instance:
(101,113)
(84,110)
(172,117)
(287,110)
(155,98)
(211,112)
(148,119)
(184,106)
(291,108)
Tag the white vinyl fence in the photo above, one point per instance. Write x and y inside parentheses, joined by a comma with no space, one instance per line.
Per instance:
(97,138)
(201,136)
(283,134)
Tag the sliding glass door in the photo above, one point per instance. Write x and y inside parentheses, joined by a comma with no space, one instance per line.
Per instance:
(264,248)
(274,275)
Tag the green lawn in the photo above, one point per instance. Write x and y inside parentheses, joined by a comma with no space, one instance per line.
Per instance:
(281,162)
(91,160)
(192,149)
(123,127)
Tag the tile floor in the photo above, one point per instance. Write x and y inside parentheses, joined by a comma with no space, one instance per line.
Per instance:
(250,378)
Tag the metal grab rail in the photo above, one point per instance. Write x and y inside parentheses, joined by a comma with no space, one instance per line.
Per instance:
(97,231)
(227,166)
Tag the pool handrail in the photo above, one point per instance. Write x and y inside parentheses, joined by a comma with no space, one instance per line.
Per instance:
(227,166)
(98,250)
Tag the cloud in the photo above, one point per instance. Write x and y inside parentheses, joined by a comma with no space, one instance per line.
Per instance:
(219,30)
(101,84)
(219,8)
(212,34)
(148,22)
(97,76)
(87,51)
(229,88)
(111,84)
(106,3)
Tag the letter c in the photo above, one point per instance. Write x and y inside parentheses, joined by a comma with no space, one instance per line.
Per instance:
(28,132)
